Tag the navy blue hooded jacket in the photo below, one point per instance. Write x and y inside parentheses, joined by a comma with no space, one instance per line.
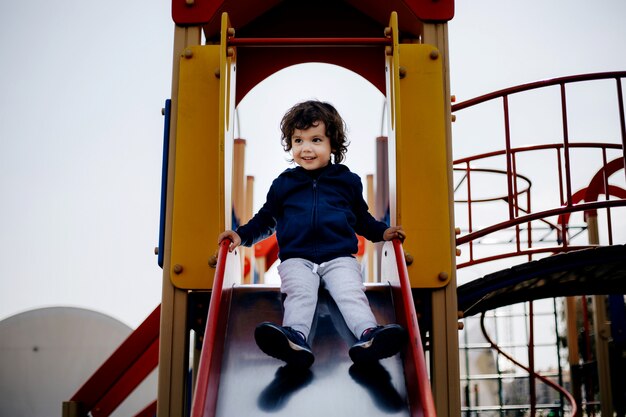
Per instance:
(315,215)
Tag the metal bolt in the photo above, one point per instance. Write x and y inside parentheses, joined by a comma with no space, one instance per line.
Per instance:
(188,53)
(388,50)
(461,325)
(189,2)
(178,269)
(213,261)
(387,32)
(604,334)
(408,259)
(457,231)
(402,72)
(458,252)
(156,250)
(230,31)
(434,54)
(217,73)
(230,51)
(443,276)
(453,117)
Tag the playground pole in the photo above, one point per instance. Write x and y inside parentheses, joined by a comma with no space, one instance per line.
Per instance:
(602,330)
(446,382)
(173,348)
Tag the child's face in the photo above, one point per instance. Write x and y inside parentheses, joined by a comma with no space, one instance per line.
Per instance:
(311,148)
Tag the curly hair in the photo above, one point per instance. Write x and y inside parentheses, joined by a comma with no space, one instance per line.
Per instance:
(307,114)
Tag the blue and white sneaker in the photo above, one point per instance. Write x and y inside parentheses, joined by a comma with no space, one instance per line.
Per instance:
(378,343)
(284,343)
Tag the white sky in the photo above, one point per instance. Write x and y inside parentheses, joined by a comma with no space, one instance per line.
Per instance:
(82,85)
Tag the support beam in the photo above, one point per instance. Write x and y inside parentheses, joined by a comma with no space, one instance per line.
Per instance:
(174,339)
(444,338)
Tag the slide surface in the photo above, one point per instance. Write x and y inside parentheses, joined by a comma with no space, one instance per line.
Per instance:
(253,384)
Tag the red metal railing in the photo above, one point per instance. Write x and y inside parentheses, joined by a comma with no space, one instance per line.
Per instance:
(519,192)
(530,370)
(205,393)
(258,42)
(517,196)
(416,349)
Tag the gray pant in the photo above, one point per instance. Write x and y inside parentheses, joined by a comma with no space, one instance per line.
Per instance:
(300,281)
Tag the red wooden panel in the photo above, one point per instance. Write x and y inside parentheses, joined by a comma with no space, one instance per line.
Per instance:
(123,359)
(197,13)
(432,10)
(149,411)
(127,383)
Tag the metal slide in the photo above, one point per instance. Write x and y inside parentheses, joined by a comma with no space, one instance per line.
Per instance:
(254,384)
(237,379)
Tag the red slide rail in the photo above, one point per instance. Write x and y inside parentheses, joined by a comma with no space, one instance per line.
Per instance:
(118,377)
(415,370)
(206,389)
(416,347)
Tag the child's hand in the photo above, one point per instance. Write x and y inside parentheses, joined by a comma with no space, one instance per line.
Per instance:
(394,232)
(235,240)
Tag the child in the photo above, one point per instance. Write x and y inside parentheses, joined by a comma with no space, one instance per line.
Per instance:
(316,208)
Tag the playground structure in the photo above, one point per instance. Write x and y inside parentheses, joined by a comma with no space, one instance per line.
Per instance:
(401,48)
(574,267)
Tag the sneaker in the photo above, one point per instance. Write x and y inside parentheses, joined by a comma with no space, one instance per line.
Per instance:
(284,343)
(378,343)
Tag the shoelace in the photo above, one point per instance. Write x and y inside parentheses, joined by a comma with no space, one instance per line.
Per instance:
(298,332)
(368,331)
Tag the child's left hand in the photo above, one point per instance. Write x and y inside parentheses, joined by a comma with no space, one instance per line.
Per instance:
(394,232)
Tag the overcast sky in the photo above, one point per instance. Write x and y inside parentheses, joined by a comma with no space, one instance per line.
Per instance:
(82,86)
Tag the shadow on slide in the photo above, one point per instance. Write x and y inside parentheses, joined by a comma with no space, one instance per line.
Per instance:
(235,378)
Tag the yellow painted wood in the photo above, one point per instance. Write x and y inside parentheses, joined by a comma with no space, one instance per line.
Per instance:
(423,166)
(204,146)
(420,186)
(173,334)
(198,182)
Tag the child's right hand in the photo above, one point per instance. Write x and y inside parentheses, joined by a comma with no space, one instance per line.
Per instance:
(234,238)
(394,232)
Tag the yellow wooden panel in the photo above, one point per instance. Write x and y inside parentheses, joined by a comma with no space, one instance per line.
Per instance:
(422,166)
(198,210)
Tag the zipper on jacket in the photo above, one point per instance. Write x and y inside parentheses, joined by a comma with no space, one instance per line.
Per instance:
(314,219)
